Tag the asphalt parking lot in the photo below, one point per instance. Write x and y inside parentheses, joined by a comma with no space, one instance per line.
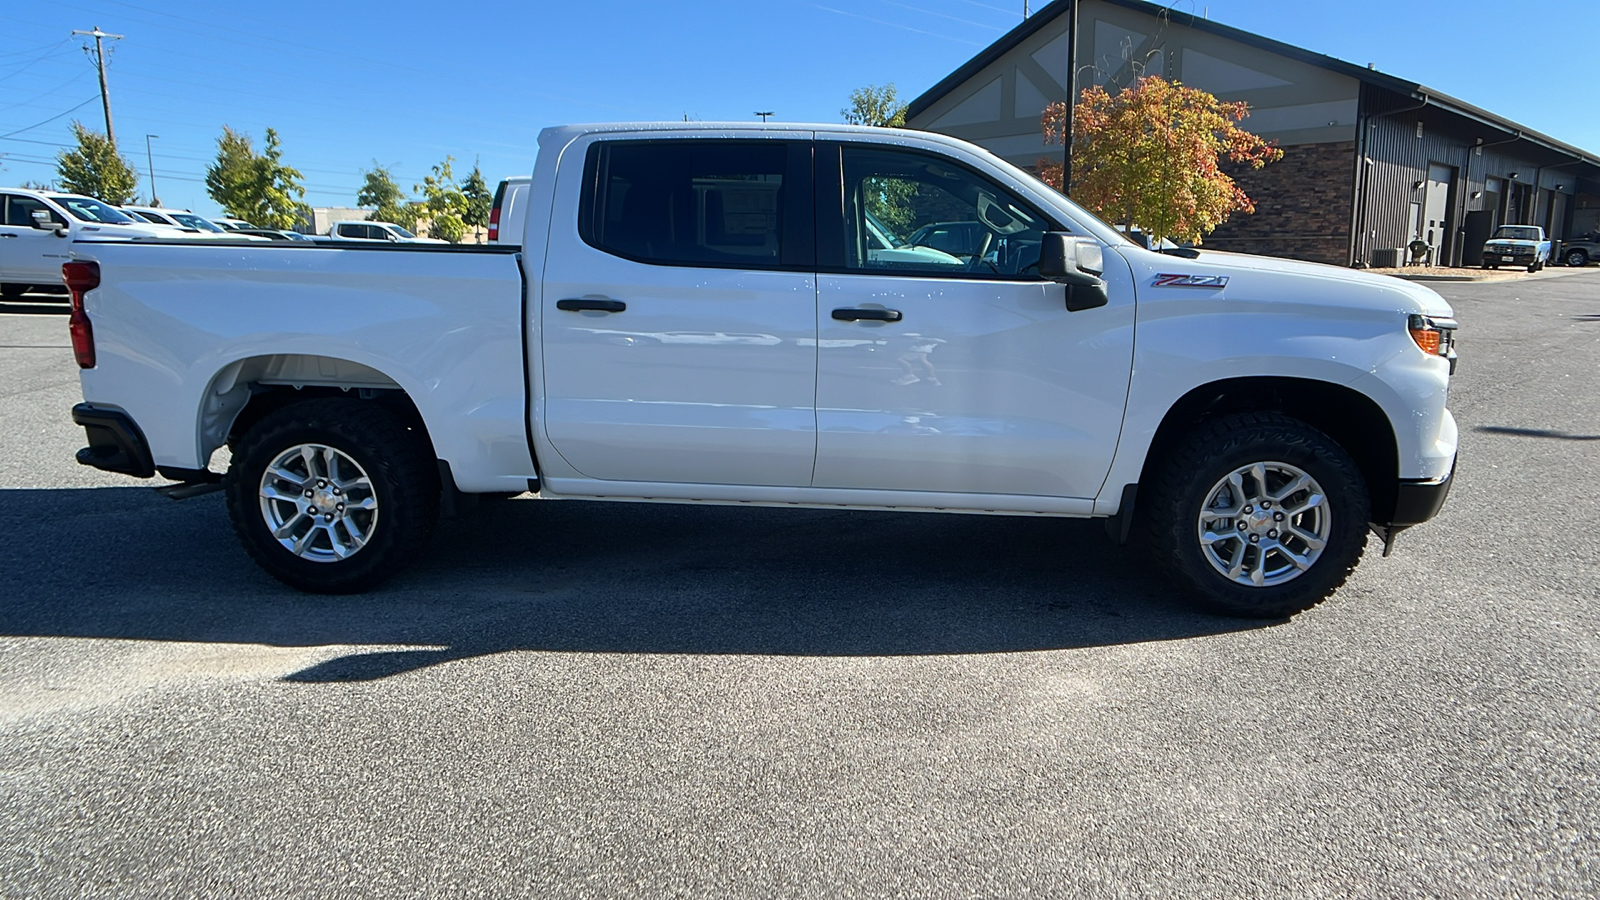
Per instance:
(598,700)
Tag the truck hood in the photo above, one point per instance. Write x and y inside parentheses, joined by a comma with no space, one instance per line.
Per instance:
(1254,280)
(1509,242)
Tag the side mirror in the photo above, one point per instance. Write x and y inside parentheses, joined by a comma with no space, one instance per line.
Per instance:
(1077,263)
(43,220)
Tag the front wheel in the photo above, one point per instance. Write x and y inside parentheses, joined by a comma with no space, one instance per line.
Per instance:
(1259,514)
(332,496)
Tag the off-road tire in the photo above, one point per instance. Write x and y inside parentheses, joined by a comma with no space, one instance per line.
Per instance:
(1170,504)
(398,461)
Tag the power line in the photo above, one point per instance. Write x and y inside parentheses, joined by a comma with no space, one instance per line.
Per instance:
(49,120)
(100,62)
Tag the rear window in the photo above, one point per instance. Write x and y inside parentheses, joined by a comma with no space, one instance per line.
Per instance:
(687,202)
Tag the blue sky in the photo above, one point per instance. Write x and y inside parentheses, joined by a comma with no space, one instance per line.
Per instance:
(406,83)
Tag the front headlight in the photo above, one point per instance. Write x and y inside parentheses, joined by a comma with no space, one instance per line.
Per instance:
(1435,336)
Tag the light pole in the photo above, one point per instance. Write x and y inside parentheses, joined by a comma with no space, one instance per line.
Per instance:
(150,159)
(764,115)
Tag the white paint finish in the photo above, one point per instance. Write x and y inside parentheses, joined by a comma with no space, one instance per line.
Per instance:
(1279,317)
(1341,113)
(982,106)
(708,376)
(1219,76)
(31,255)
(1013,394)
(169,319)
(813,497)
(1030,101)
(442,326)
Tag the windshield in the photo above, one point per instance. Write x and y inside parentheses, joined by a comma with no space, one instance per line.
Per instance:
(190,220)
(1517,233)
(88,209)
(880,232)
(1082,217)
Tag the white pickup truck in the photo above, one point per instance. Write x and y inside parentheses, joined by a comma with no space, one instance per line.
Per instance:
(742,315)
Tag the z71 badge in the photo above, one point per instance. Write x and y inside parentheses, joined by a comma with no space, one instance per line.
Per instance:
(1201,281)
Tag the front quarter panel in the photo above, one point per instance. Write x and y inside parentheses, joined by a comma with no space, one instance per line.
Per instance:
(1277,318)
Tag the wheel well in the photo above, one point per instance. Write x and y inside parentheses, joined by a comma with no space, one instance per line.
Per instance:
(1349,417)
(247,391)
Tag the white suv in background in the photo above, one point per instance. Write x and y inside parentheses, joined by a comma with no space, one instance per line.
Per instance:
(32,250)
(376,231)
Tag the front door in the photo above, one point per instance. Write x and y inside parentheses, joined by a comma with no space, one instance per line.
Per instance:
(1438,233)
(678,311)
(28,255)
(945,363)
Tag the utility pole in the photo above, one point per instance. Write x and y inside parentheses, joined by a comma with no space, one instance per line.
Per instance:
(150,158)
(1072,99)
(100,62)
(764,115)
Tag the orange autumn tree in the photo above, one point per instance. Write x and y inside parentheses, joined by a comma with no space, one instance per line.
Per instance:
(1147,157)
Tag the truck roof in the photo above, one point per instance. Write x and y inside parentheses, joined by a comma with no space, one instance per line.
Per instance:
(562,134)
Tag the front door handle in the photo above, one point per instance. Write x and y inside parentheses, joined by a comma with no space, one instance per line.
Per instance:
(587,304)
(875,315)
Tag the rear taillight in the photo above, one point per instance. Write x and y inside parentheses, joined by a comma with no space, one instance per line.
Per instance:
(80,278)
(494,224)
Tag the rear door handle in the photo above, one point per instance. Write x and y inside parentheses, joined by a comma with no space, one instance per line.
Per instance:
(587,304)
(875,315)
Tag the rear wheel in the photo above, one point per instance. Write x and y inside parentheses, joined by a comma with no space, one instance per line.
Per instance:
(1259,514)
(332,495)
(1577,259)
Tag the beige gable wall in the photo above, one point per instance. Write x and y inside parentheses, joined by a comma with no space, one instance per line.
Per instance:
(1291,102)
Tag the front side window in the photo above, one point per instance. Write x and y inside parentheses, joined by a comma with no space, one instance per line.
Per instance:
(687,202)
(19,211)
(910,212)
(397,230)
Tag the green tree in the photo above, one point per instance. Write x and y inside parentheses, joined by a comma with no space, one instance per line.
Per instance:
(1149,157)
(382,195)
(258,188)
(479,199)
(443,203)
(95,168)
(284,194)
(874,105)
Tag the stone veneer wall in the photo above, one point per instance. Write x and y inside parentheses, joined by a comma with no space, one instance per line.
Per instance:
(1303,206)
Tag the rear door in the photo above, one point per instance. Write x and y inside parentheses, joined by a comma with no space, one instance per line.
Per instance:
(679,310)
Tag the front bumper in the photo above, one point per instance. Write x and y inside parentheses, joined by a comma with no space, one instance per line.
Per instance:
(1415,502)
(115,442)
(1515,256)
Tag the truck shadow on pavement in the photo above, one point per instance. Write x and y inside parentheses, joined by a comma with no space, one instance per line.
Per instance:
(576,577)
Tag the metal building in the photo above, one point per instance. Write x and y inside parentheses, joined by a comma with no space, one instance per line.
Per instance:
(1371,162)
